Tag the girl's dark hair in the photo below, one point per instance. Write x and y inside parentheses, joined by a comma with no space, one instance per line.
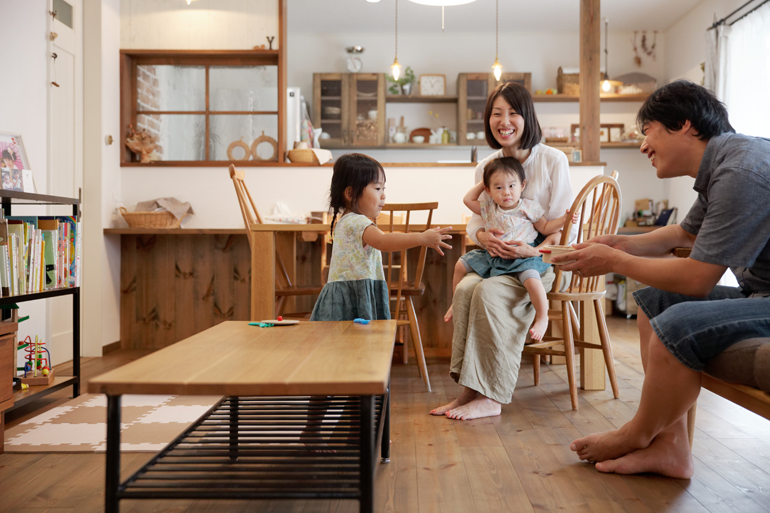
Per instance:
(508,165)
(520,100)
(352,170)
(9,154)
(680,101)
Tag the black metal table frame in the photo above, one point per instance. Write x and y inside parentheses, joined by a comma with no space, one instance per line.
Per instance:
(228,439)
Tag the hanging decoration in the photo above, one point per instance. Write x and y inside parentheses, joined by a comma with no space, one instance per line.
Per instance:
(54,55)
(649,51)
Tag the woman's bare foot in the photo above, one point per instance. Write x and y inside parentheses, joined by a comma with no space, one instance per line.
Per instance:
(668,455)
(466,396)
(538,329)
(606,446)
(476,409)
(448,315)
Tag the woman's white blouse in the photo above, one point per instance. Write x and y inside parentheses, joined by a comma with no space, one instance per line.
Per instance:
(548,183)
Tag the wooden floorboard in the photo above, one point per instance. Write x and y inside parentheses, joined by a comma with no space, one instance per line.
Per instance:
(517,462)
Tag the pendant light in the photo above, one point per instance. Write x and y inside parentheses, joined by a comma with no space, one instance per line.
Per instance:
(606,85)
(396,67)
(497,67)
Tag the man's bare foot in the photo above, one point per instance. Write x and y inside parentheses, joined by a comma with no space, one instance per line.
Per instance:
(466,396)
(448,315)
(668,455)
(605,446)
(476,409)
(538,329)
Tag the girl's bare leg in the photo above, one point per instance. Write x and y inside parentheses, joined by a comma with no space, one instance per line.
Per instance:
(540,302)
(467,395)
(460,271)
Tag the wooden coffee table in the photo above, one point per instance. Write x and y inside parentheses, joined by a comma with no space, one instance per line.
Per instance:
(304,406)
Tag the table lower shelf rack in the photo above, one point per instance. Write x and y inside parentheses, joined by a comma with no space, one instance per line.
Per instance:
(267,448)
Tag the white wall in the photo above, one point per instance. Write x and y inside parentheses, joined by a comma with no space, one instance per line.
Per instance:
(25,112)
(202,25)
(687,40)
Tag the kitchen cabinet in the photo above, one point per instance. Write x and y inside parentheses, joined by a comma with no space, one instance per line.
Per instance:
(350,108)
(472,92)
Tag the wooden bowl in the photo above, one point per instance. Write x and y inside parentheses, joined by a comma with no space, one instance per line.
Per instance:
(425,132)
(305,156)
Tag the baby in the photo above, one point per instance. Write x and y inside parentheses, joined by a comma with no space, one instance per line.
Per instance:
(519,219)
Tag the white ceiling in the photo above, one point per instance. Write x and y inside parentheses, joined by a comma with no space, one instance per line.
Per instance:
(479,16)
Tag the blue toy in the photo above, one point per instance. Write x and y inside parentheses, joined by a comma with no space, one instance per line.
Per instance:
(361,321)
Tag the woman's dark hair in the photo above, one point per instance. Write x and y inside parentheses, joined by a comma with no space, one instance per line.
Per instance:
(353,170)
(520,100)
(680,101)
(508,165)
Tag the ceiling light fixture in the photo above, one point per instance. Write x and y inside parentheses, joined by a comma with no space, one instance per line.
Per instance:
(396,67)
(442,4)
(606,85)
(497,67)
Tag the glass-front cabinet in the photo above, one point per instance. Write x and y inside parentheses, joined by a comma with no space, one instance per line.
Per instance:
(473,89)
(349,109)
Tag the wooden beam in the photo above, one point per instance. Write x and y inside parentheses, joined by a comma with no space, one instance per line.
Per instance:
(590,41)
(282,82)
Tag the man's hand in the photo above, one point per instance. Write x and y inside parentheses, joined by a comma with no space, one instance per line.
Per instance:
(590,259)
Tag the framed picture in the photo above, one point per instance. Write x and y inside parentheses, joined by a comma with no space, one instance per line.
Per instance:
(28,181)
(11,179)
(524,79)
(604,134)
(12,154)
(614,132)
(432,85)
(577,156)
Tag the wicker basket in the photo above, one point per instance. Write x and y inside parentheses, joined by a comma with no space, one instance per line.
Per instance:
(306,156)
(161,219)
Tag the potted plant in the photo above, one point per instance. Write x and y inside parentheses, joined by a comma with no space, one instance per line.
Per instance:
(404,84)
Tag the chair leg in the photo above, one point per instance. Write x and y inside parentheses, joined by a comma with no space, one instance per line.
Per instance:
(691,423)
(279,306)
(575,323)
(536,367)
(569,353)
(604,336)
(417,341)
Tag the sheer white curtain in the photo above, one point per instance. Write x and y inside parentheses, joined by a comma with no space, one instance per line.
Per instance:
(746,76)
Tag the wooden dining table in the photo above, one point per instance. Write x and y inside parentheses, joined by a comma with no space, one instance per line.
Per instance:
(266,238)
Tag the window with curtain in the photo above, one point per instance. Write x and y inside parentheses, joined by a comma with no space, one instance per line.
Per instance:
(747,73)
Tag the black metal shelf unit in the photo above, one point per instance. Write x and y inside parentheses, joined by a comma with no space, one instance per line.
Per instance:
(9,199)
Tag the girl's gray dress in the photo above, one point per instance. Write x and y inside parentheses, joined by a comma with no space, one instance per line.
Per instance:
(356,287)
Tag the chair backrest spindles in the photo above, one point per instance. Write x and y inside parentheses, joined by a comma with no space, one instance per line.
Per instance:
(599,206)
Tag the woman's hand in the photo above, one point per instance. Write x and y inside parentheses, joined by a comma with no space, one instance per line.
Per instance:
(435,237)
(510,250)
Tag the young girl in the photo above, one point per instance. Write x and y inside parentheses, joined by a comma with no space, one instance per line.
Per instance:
(519,219)
(356,287)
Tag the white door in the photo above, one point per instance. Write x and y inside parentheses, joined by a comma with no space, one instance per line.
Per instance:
(65,141)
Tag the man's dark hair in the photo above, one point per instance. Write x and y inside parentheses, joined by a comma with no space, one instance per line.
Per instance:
(508,165)
(520,100)
(680,101)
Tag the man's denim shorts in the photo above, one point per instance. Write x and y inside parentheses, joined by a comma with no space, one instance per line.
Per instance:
(696,329)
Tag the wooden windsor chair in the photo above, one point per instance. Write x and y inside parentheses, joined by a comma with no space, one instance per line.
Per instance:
(599,207)
(283,284)
(402,288)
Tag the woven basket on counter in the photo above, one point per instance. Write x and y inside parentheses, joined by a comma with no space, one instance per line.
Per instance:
(160,219)
(303,155)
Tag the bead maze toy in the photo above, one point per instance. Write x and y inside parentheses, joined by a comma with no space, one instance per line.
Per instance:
(37,368)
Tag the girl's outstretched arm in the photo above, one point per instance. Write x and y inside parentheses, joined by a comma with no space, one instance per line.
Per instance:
(471,198)
(433,238)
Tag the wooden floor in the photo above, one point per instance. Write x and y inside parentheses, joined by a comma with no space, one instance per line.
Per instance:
(519,461)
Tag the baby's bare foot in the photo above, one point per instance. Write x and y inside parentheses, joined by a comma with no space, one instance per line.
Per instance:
(538,329)
(448,315)
(467,396)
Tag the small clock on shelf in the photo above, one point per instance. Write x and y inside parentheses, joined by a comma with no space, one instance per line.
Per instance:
(354,63)
(432,85)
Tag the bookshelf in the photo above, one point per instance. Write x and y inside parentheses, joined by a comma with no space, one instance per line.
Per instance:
(9,200)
